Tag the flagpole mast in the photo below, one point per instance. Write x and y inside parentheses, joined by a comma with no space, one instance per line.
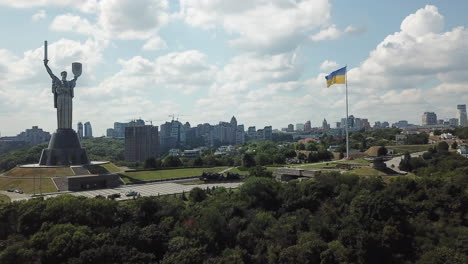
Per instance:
(347,119)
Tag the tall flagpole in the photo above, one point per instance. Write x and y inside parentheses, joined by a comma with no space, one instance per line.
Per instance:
(347,119)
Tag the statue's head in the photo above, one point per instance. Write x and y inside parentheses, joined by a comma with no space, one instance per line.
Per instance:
(64,75)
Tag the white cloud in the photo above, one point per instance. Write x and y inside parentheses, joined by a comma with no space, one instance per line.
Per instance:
(69,22)
(88,6)
(332,33)
(424,21)
(127,19)
(415,56)
(328,65)
(185,72)
(155,43)
(41,14)
(329,33)
(265,27)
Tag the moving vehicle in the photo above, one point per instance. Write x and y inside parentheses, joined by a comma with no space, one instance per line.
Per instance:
(131,193)
(113,196)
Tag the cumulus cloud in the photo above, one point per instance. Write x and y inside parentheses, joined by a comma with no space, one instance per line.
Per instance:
(415,55)
(332,33)
(69,22)
(127,19)
(424,21)
(328,65)
(155,43)
(88,6)
(41,14)
(120,19)
(267,27)
(185,72)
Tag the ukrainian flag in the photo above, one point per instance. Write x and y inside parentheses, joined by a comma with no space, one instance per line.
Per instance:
(336,77)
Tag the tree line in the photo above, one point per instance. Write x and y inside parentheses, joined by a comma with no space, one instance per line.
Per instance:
(332,219)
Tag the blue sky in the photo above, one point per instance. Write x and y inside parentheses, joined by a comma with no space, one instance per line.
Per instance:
(262,61)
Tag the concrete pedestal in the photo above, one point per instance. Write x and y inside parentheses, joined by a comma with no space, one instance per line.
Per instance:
(64,150)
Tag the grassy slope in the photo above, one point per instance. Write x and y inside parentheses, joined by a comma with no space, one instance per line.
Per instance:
(128,177)
(4,198)
(410,148)
(27,185)
(42,172)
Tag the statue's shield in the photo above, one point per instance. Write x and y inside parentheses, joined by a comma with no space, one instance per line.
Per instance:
(76,69)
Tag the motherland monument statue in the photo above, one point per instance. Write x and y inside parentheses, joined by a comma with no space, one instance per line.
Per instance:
(64,147)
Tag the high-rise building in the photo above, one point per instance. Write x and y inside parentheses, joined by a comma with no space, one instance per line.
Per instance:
(88,131)
(267,133)
(240,135)
(325,125)
(290,128)
(79,130)
(110,133)
(299,127)
(453,122)
(252,133)
(399,124)
(429,118)
(141,143)
(462,115)
(386,124)
(233,132)
(308,126)
(34,136)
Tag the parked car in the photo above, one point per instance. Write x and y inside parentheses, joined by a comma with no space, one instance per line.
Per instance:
(99,196)
(18,191)
(10,190)
(131,193)
(113,196)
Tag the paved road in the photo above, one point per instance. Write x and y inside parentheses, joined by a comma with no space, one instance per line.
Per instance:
(396,161)
(149,189)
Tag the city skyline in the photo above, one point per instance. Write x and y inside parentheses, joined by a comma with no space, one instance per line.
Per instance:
(253,66)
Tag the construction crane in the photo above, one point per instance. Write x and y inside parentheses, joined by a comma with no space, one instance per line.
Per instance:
(173,117)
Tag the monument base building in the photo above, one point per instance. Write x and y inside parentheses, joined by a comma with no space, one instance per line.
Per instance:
(64,150)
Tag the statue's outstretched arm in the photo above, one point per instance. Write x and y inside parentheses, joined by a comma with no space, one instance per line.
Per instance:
(48,69)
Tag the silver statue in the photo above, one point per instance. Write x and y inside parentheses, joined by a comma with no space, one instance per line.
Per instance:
(63,92)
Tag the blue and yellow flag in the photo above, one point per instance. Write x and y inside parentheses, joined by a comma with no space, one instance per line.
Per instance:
(336,77)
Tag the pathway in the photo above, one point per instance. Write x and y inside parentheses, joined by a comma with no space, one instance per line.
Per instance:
(148,189)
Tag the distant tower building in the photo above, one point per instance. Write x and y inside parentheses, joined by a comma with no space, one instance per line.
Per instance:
(325,125)
(240,135)
(299,127)
(290,128)
(233,132)
(308,126)
(80,130)
(110,133)
(141,143)
(429,118)
(462,115)
(338,124)
(34,136)
(88,130)
(453,122)
(385,124)
(267,133)
(252,133)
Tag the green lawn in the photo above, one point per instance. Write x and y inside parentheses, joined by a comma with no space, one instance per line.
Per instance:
(39,172)
(4,199)
(111,168)
(27,185)
(410,148)
(129,177)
